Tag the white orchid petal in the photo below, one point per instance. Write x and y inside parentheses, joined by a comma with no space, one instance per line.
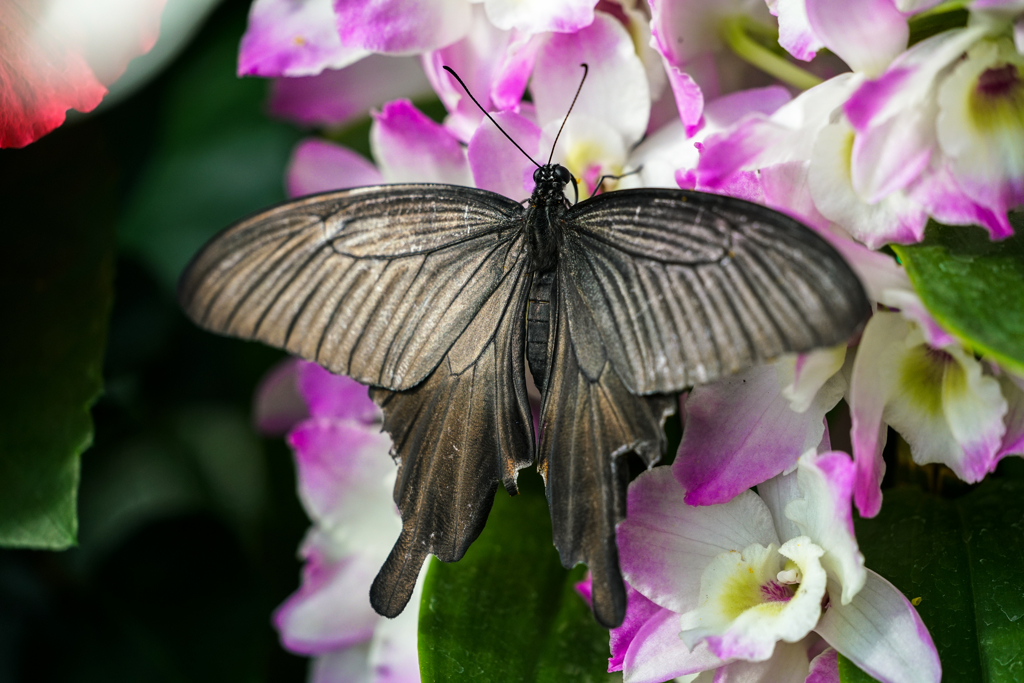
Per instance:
(824,513)
(881,633)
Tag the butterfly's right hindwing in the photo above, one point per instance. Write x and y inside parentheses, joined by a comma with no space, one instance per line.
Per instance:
(375,283)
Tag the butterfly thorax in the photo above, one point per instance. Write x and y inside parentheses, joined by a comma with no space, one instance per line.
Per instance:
(544,217)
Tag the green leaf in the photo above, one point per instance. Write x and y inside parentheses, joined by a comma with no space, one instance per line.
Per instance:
(963,559)
(218,159)
(508,611)
(974,287)
(57,281)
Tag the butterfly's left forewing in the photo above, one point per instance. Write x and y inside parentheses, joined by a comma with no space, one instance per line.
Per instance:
(376,283)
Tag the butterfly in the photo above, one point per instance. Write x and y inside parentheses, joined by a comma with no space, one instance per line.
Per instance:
(439,297)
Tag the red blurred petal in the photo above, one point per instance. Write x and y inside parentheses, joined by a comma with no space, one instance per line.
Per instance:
(44,73)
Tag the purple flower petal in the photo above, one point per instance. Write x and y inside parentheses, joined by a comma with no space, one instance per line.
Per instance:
(639,610)
(689,97)
(337,396)
(497,165)
(332,607)
(409,147)
(318,166)
(881,632)
(616,91)
(289,38)
(787,665)
(867,38)
(740,431)
(657,654)
(477,59)
(277,404)
(343,470)
(795,33)
(727,110)
(539,16)
(824,668)
(1013,438)
(401,27)
(937,191)
(664,543)
(338,96)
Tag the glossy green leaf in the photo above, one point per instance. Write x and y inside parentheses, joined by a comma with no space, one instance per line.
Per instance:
(963,559)
(218,159)
(57,281)
(973,286)
(508,611)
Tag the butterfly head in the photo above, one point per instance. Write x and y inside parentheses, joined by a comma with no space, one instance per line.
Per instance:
(551,180)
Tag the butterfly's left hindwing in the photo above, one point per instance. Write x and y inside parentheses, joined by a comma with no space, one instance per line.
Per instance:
(591,419)
(456,436)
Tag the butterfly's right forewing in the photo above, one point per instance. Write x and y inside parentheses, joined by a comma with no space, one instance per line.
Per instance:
(376,283)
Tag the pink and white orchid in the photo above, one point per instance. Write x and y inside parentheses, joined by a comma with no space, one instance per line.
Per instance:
(751,587)
(345,480)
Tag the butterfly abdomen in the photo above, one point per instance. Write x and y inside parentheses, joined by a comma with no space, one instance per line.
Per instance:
(538,326)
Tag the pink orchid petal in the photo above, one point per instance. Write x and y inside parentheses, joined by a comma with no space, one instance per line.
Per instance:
(514,71)
(795,33)
(338,96)
(539,16)
(881,632)
(974,413)
(727,110)
(277,405)
(476,58)
(343,469)
(664,543)
(739,432)
(867,38)
(513,175)
(788,664)
(689,97)
(639,610)
(824,668)
(785,189)
(938,192)
(896,218)
(409,147)
(337,396)
(614,68)
(777,493)
(288,38)
(891,155)
(319,166)
(684,30)
(909,304)
(394,656)
(729,152)
(401,27)
(870,387)
(874,96)
(310,621)
(824,513)
(347,665)
(657,654)
(1013,438)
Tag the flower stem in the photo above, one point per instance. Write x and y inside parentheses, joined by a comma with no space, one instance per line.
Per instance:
(737,32)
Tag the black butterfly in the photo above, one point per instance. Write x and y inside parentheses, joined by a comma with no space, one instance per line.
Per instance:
(439,296)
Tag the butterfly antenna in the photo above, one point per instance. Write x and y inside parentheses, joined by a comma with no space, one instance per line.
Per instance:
(586,70)
(466,88)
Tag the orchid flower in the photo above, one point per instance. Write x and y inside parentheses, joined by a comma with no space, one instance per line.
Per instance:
(345,479)
(751,584)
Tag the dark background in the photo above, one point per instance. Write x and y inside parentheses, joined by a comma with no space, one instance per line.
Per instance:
(189,523)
